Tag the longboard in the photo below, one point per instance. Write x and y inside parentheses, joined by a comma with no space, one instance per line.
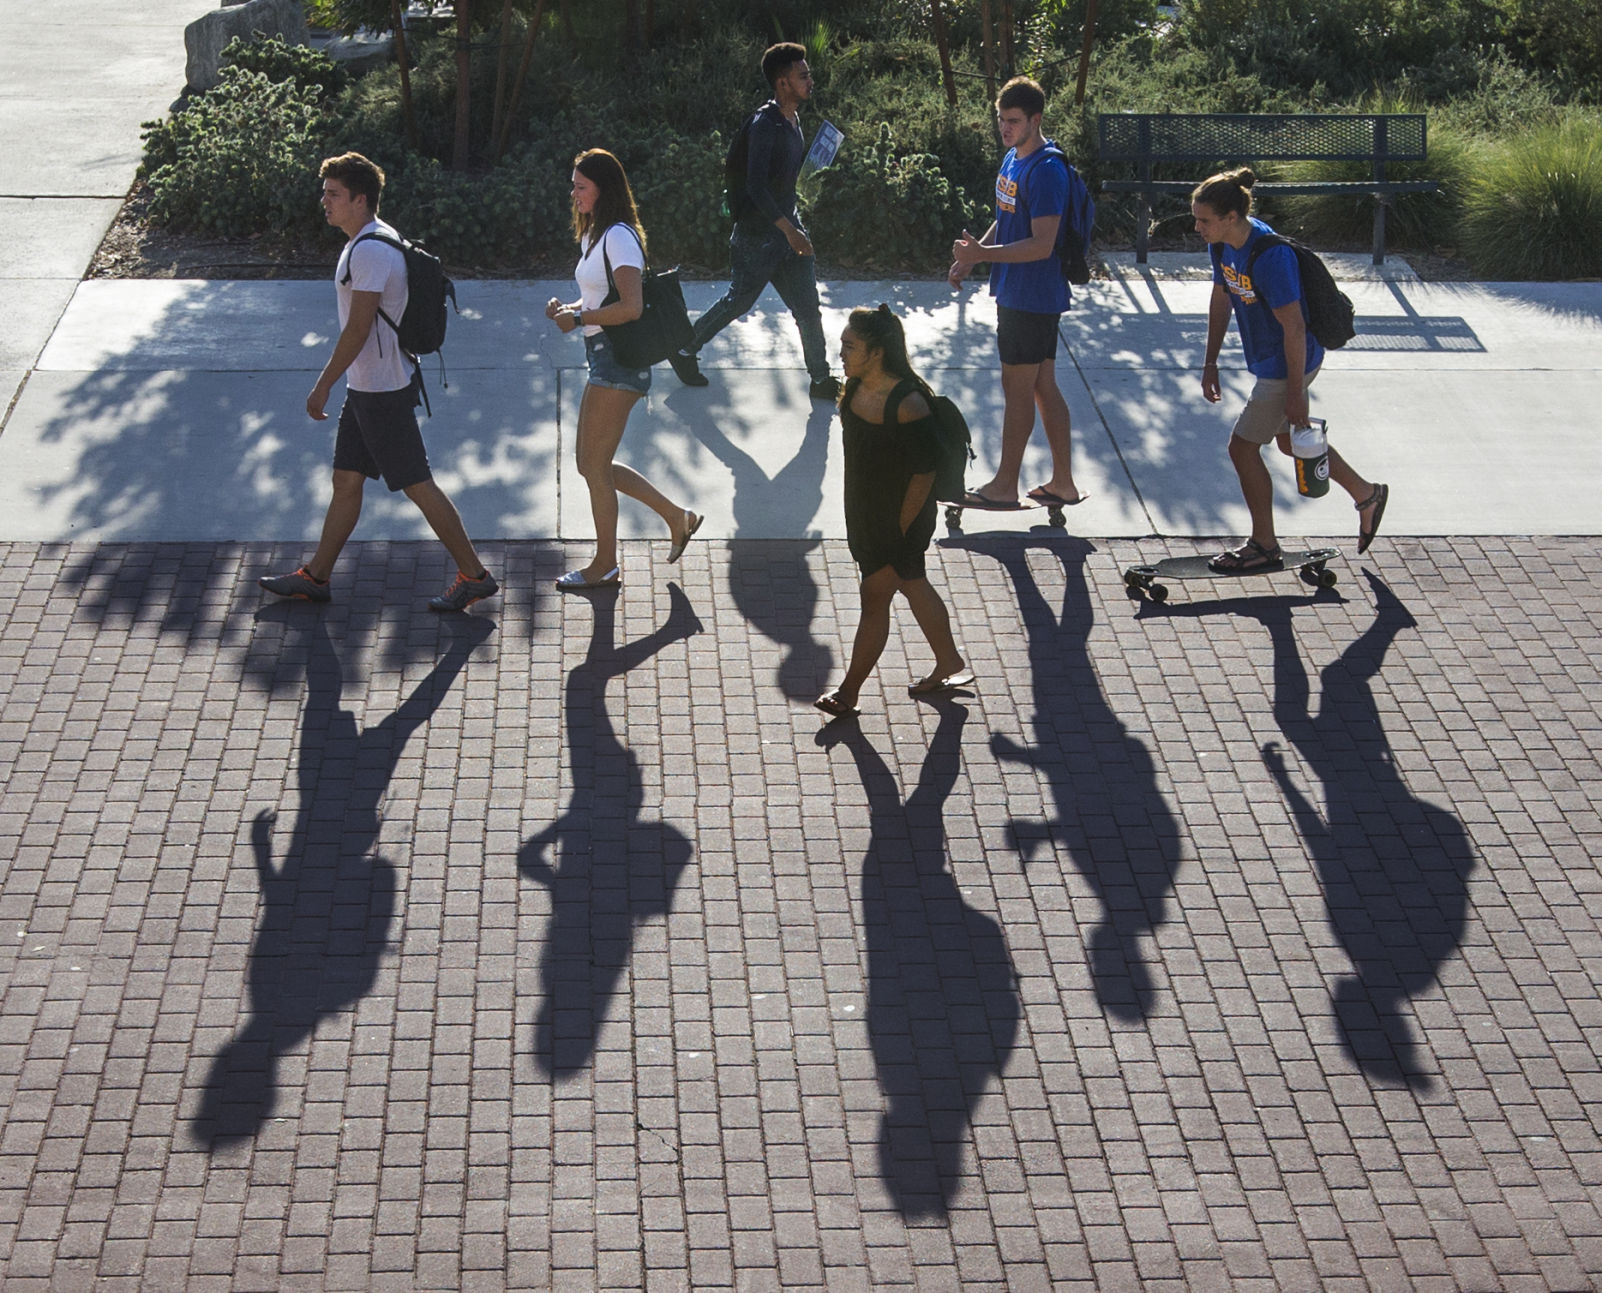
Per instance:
(1054,511)
(1310,564)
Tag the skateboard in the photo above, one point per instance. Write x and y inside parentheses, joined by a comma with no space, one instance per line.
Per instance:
(1310,564)
(1054,512)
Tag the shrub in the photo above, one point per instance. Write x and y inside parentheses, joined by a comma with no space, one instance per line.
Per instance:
(1534,205)
(305,67)
(879,208)
(239,159)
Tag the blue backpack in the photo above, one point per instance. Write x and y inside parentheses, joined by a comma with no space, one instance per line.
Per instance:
(1079,217)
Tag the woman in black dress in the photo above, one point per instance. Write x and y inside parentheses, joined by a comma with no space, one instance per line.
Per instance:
(890,458)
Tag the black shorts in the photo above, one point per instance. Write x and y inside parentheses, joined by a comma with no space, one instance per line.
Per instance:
(378,436)
(1025,337)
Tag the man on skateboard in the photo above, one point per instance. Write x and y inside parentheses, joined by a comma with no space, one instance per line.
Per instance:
(1266,299)
(1031,294)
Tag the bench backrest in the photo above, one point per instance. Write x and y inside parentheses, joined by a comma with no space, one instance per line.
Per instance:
(1209,137)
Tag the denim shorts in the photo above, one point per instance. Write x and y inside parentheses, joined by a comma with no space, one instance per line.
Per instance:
(606,371)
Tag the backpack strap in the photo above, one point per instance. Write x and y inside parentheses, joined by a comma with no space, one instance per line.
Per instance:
(400,247)
(1264,242)
(892,402)
(611,283)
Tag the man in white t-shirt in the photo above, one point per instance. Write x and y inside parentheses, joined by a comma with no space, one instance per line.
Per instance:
(378,434)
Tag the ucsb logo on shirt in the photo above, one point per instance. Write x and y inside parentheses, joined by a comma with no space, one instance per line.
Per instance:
(1006,193)
(1240,284)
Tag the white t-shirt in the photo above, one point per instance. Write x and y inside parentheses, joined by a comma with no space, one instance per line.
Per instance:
(622,248)
(375,267)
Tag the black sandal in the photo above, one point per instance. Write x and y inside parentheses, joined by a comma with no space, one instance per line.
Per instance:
(1376,500)
(1250,557)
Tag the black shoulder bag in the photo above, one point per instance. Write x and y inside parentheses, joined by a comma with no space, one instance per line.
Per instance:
(663,327)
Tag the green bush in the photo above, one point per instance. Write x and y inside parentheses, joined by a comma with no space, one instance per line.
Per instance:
(306,68)
(239,159)
(1534,205)
(879,208)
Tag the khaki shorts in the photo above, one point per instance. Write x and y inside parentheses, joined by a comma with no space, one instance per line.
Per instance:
(1263,418)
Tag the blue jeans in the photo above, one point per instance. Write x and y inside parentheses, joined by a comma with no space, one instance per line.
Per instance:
(758,259)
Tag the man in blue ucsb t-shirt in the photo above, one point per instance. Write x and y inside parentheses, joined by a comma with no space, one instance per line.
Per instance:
(1266,299)
(1031,293)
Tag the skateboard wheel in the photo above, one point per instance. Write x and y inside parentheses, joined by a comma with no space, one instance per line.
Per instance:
(1159,592)
(954,517)
(1056,518)
(1131,579)
(1327,579)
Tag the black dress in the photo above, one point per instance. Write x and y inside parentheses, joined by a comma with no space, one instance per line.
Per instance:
(881,458)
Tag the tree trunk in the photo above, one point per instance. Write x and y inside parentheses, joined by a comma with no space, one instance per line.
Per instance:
(1084,51)
(502,49)
(990,51)
(522,75)
(464,77)
(405,76)
(943,43)
(1006,37)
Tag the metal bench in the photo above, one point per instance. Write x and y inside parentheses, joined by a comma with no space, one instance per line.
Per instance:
(1210,138)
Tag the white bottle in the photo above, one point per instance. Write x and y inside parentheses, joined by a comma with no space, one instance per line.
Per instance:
(1310,445)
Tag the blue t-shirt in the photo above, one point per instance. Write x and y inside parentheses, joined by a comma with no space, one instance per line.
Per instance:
(1027,187)
(1275,281)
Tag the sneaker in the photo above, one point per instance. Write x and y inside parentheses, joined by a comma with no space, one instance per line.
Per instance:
(299,585)
(464,592)
(826,388)
(688,368)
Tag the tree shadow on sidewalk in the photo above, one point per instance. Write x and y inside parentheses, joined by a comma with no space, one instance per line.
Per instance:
(1112,817)
(943,1000)
(613,869)
(329,904)
(770,581)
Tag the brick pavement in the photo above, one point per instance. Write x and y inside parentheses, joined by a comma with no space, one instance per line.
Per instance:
(1242,943)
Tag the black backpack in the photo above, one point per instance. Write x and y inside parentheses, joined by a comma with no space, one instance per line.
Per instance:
(737,202)
(1078,222)
(421,329)
(1330,316)
(951,435)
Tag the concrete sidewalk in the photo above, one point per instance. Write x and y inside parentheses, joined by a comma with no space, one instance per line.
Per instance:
(172,411)
(76,80)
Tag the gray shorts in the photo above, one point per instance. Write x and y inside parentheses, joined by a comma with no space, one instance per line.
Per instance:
(1263,418)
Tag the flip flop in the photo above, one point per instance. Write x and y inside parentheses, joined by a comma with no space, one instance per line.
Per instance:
(574,582)
(1043,495)
(1380,496)
(940,686)
(831,704)
(979,503)
(677,550)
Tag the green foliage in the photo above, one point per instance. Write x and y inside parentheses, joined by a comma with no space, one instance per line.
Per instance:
(239,159)
(1534,205)
(1564,38)
(307,68)
(883,208)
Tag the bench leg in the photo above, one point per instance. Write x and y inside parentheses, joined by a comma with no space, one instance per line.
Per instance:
(1379,230)
(1143,230)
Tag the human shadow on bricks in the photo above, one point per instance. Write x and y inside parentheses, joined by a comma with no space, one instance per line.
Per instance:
(943,999)
(769,577)
(1394,867)
(613,868)
(1118,828)
(328,905)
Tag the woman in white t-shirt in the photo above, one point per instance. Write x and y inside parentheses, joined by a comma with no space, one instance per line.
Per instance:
(607,227)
